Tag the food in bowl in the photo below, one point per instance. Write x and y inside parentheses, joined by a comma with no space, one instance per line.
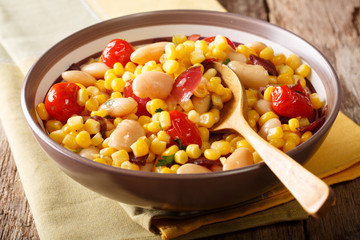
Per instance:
(152,108)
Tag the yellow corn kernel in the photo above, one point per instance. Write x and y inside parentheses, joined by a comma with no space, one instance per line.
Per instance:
(256,157)
(170,150)
(285,78)
(303,122)
(289,145)
(303,70)
(150,157)
(212,154)
(275,133)
(187,106)
(130,166)
(293,61)
(140,148)
(204,146)
(117,120)
(219,54)
(285,69)
(170,51)
(193,151)
(190,45)
(130,67)
(220,42)
(292,137)
(57,136)
(245,144)
(100,113)
(230,137)
(144,119)
(97,139)
(174,168)
(91,104)
(181,157)
(153,126)
(267,93)
(69,141)
(105,143)
(266,117)
(149,66)
(211,86)
(277,142)
(235,140)
(165,170)
(157,146)
(93,91)
(53,125)
(155,117)
(294,124)
(164,119)
(155,105)
(101,160)
(171,66)
(118,84)
(138,70)
(306,135)
(118,69)
(41,110)
(197,57)
(216,113)
(194,116)
(180,51)
(107,151)
(252,114)
(75,123)
(83,139)
(202,46)
(82,96)
(216,101)
(285,127)
(119,157)
(272,80)
(279,59)
(179,39)
(222,146)
(127,76)
(163,136)
(210,73)
(100,84)
(204,134)
(267,53)
(315,101)
(201,90)
(227,95)
(244,50)
(207,120)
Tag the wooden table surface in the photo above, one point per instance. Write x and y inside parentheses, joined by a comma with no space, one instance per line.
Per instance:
(333,27)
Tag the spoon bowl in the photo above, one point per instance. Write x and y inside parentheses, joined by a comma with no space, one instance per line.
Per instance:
(314,195)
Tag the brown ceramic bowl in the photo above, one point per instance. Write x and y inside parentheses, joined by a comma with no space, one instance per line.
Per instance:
(171,191)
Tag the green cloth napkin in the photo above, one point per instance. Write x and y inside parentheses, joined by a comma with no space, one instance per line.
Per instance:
(62,208)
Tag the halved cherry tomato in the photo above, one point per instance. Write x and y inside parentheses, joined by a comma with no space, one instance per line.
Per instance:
(185,84)
(61,101)
(117,50)
(291,102)
(211,39)
(141,109)
(182,128)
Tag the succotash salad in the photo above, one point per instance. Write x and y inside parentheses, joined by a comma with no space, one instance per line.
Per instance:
(151,108)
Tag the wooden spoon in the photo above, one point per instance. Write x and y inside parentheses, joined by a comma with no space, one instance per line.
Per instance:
(314,195)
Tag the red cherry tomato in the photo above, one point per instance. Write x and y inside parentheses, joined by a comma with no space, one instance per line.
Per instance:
(182,128)
(291,102)
(211,39)
(61,101)
(117,50)
(185,84)
(128,92)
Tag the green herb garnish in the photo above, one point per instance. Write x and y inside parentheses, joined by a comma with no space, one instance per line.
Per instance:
(165,160)
(159,110)
(109,102)
(178,141)
(226,61)
(299,92)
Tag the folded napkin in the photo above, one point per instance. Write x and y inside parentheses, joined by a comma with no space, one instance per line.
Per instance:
(62,208)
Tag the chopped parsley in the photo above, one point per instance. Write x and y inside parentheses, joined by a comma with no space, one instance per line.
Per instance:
(299,92)
(165,160)
(178,141)
(109,102)
(226,61)
(159,110)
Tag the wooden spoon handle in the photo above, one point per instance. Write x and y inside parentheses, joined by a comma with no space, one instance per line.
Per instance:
(314,195)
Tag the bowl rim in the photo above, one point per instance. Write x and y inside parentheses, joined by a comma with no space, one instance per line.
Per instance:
(149,17)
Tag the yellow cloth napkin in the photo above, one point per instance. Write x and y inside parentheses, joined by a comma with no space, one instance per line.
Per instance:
(63,209)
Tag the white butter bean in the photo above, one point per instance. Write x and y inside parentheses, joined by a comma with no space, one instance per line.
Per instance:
(153,84)
(76,76)
(201,105)
(241,157)
(235,56)
(96,69)
(262,106)
(264,130)
(89,152)
(256,46)
(126,133)
(251,76)
(192,168)
(149,52)
(119,107)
